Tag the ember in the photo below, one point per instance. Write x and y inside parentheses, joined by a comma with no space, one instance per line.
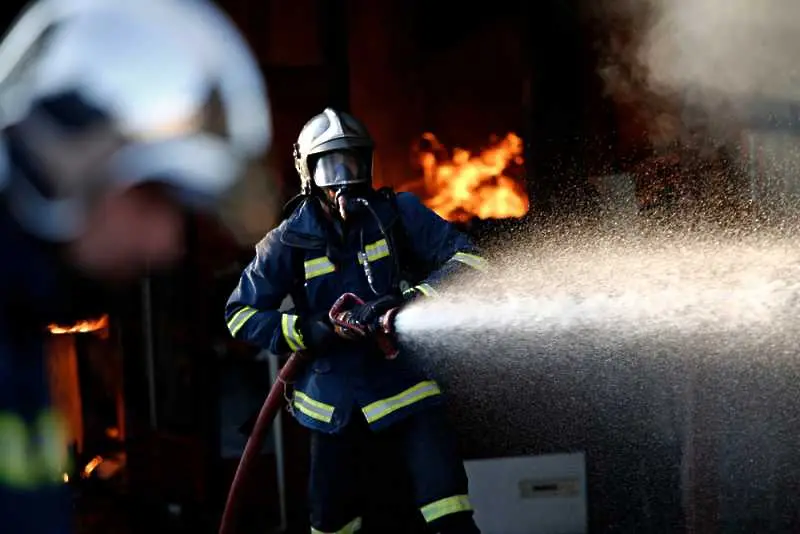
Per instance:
(464,186)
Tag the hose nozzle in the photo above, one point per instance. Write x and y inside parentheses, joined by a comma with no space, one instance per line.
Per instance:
(341,317)
(382,330)
(386,336)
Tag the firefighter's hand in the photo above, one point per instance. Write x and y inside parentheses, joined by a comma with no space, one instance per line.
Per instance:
(367,314)
(317,331)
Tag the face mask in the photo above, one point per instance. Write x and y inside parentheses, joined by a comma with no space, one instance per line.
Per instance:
(336,169)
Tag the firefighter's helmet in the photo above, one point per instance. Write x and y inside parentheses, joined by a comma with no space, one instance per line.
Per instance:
(333,149)
(111,93)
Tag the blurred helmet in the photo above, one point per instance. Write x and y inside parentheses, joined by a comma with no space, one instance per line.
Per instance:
(99,94)
(333,149)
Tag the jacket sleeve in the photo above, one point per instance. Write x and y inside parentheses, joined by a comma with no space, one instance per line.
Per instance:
(438,244)
(252,309)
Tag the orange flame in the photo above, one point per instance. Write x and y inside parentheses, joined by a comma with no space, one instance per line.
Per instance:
(467,185)
(81,327)
(91,466)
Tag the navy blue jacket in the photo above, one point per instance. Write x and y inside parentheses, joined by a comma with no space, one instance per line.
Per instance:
(33,496)
(306,259)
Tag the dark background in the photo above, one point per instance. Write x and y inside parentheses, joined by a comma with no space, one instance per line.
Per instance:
(463,72)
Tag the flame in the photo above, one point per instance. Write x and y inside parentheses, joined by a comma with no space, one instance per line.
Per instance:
(91,466)
(81,327)
(467,185)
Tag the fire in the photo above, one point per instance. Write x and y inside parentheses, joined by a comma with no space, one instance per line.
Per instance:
(81,327)
(464,186)
(91,466)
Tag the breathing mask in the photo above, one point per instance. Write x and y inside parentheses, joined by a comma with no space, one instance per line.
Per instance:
(343,177)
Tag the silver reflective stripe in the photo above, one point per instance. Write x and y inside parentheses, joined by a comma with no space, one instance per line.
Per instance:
(312,408)
(239,318)
(384,407)
(289,329)
(476,262)
(375,251)
(318,267)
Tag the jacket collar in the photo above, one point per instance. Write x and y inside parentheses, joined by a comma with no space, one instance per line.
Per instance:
(307,227)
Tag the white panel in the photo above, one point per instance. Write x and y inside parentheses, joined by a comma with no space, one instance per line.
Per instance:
(530,494)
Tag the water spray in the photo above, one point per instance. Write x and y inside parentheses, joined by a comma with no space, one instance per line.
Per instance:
(630,291)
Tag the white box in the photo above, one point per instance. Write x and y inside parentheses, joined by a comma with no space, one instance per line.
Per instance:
(529,494)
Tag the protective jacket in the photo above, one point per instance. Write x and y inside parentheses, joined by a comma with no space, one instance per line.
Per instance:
(306,258)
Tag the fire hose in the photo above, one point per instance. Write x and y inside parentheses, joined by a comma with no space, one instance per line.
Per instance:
(269,410)
(341,318)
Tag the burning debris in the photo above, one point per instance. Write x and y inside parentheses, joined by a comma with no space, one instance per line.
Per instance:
(467,185)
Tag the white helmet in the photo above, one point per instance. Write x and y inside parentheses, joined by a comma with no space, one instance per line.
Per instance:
(111,93)
(320,150)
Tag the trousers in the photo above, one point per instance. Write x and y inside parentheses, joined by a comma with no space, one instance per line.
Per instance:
(416,460)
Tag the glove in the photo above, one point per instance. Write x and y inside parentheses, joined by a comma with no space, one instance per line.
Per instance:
(368,313)
(316,330)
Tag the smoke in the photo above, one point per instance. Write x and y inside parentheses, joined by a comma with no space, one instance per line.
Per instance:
(724,48)
(684,64)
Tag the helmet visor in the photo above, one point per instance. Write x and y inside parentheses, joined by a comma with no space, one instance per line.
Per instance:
(339,168)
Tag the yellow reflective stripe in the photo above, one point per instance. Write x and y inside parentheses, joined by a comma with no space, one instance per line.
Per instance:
(312,408)
(51,436)
(318,267)
(33,455)
(375,251)
(476,262)
(384,407)
(350,528)
(443,507)
(290,333)
(15,469)
(239,318)
(425,289)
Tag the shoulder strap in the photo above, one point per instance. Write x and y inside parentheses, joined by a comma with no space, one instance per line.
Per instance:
(401,247)
(398,230)
(401,244)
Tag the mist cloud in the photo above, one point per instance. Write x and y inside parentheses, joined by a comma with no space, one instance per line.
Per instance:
(737,49)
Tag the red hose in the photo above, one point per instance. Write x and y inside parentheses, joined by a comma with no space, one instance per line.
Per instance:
(272,405)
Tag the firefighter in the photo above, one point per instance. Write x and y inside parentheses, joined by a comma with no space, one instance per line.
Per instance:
(345,236)
(103,143)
